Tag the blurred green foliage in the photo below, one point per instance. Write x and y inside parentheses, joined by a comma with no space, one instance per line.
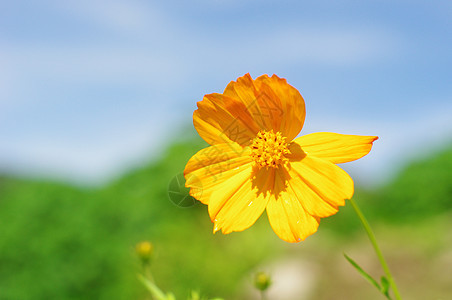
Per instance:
(62,242)
(423,189)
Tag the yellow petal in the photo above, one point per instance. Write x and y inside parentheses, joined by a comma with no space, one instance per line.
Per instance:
(319,185)
(334,147)
(288,218)
(285,102)
(211,167)
(238,202)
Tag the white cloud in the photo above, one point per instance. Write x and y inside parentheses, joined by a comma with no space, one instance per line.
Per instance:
(321,46)
(90,63)
(126,17)
(89,159)
(159,68)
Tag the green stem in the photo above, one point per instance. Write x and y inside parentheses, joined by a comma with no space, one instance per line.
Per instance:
(152,288)
(147,272)
(373,240)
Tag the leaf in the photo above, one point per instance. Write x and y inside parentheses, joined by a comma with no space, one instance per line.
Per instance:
(385,286)
(363,273)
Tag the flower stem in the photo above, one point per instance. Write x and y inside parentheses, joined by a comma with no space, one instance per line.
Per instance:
(373,240)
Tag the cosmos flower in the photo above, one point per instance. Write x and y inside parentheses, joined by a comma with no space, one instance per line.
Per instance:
(256,163)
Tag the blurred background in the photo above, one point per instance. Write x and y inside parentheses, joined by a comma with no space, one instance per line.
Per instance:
(96,102)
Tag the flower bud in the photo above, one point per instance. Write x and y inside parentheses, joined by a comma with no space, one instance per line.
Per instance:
(144,251)
(262,281)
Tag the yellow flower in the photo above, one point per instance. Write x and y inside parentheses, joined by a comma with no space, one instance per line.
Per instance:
(256,163)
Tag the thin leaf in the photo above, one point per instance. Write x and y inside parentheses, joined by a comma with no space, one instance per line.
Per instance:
(363,273)
(385,286)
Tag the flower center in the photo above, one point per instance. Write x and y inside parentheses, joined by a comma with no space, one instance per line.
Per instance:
(268,149)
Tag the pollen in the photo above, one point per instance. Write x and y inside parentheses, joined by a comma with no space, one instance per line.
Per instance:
(268,149)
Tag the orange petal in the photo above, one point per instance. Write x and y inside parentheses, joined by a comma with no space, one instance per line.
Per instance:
(320,185)
(220,119)
(237,203)
(288,218)
(245,91)
(271,101)
(284,102)
(334,147)
(211,167)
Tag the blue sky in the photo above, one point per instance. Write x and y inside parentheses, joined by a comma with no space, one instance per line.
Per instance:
(89,89)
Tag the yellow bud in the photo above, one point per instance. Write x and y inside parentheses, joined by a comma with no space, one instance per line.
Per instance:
(144,251)
(262,281)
